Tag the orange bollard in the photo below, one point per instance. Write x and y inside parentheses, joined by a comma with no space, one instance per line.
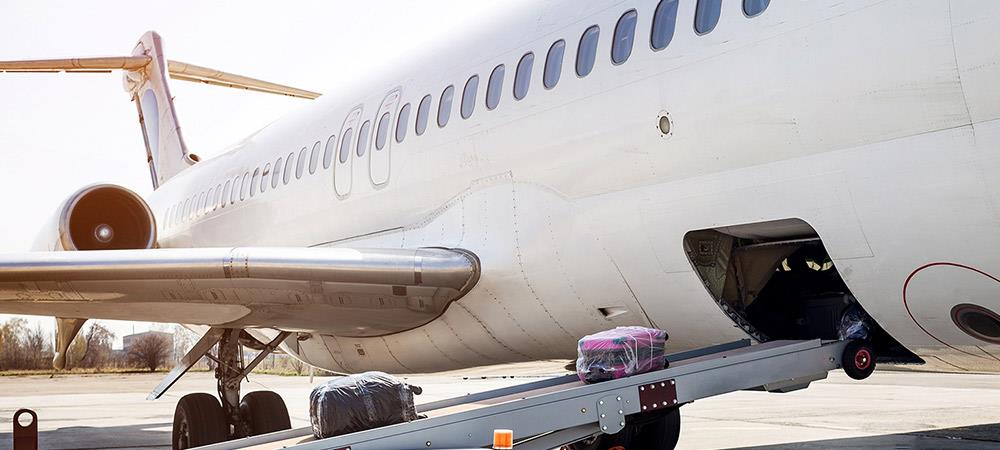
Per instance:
(503,439)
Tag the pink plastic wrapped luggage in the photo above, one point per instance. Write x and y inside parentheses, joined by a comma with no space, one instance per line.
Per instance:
(619,353)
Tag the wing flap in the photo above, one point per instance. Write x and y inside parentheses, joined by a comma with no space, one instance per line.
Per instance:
(347,292)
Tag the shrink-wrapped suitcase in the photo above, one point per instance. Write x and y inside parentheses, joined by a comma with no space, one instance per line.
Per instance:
(621,352)
(360,402)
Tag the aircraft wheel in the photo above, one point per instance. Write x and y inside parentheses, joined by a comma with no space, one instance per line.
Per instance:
(655,431)
(858,360)
(265,411)
(199,420)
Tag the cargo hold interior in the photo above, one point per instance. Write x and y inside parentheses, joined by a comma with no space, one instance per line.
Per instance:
(776,280)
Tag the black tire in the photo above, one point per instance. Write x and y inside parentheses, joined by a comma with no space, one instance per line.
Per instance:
(662,433)
(265,412)
(858,360)
(651,431)
(199,420)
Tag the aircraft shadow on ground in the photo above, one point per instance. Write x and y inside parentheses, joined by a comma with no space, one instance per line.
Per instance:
(986,436)
(148,435)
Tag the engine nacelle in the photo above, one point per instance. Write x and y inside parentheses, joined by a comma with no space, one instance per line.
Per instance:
(100,217)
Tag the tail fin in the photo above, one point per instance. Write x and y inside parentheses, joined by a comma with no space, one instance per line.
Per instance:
(146,73)
(166,152)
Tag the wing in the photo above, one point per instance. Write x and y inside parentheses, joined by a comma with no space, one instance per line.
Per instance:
(345,292)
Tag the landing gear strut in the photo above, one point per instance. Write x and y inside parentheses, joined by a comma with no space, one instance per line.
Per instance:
(200,419)
(228,374)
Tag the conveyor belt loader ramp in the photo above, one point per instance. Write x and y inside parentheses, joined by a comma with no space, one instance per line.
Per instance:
(550,413)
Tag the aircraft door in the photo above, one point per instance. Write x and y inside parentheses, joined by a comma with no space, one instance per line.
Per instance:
(344,159)
(379,160)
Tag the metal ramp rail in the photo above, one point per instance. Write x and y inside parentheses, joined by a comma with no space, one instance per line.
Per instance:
(550,413)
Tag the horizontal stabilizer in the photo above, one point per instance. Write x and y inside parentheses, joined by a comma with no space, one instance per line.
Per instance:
(191,72)
(146,73)
(177,70)
(100,64)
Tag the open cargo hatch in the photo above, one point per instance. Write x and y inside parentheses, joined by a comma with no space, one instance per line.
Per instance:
(777,281)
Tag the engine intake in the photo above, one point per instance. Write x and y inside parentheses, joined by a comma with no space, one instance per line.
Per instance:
(106,217)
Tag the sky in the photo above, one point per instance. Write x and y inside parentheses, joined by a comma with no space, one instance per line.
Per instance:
(61,132)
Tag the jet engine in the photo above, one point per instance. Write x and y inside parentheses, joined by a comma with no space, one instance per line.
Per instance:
(100,217)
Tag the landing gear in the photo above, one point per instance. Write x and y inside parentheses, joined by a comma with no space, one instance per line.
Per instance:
(858,360)
(651,431)
(201,419)
(265,412)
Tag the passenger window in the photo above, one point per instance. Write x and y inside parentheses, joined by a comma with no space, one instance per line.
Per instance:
(522,79)
(289,166)
(244,186)
(276,176)
(331,144)
(187,209)
(401,122)
(218,195)
(300,166)
(345,145)
(664,22)
(201,204)
(226,192)
(236,190)
(754,7)
(495,88)
(553,64)
(444,107)
(422,112)
(264,179)
(363,137)
(314,158)
(706,15)
(587,53)
(383,131)
(469,96)
(621,48)
(255,181)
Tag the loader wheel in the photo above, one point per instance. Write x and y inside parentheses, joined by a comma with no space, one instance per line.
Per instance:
(858,360)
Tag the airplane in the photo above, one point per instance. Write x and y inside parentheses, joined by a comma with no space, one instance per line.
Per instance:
(718,169)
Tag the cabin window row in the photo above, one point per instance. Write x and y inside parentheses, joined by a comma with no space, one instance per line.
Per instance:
(282,171)
(707,15)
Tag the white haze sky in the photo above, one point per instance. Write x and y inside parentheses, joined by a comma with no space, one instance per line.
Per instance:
(60,132)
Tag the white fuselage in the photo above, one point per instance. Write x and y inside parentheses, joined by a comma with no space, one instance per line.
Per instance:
(876,122)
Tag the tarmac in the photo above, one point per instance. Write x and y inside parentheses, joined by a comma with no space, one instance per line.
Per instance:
(898,410)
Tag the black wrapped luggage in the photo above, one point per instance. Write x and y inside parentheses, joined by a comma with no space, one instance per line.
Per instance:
(360,402)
